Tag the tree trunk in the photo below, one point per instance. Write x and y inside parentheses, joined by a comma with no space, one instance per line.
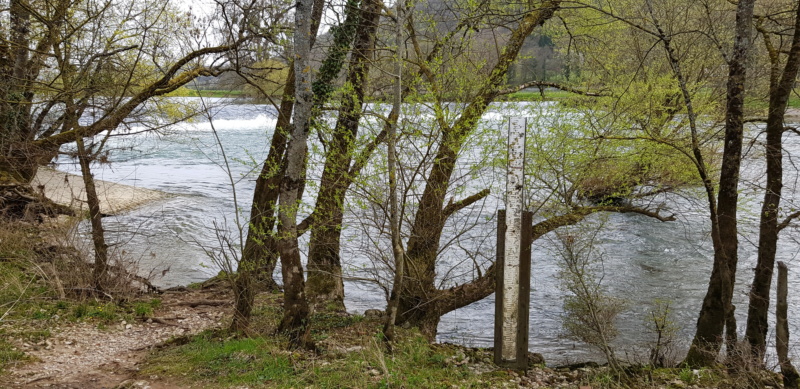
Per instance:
(757,327)
(790,376)
(260,253)
(98,234)
(324,264)
(295,314)
(717,311)
(398,253)
(15,104)
(421,304)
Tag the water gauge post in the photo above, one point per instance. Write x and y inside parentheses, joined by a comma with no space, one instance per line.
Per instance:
(513,265)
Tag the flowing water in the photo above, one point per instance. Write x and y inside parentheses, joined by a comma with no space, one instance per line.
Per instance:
(644,260)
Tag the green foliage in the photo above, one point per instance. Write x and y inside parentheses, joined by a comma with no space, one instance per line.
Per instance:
(589,312)
(688,375)
(660,323)
(142,309)
(269,77)
(549,95)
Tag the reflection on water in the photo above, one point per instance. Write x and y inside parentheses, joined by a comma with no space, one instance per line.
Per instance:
(645,260)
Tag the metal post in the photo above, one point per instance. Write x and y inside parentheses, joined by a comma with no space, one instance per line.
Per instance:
(513,262)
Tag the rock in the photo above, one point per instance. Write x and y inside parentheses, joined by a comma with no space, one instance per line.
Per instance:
(582,365)
(535,359)
(133,384)
(676,383)
(373,314)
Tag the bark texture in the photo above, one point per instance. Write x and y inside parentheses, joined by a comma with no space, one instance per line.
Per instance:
(716,318)
(781,84)
(295,306)
(790,376)
(260,253)
(98,233)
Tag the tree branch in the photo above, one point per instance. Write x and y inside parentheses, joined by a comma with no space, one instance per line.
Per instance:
(459,296)
(556,85)
(785,223)
(169,82)
(452,207)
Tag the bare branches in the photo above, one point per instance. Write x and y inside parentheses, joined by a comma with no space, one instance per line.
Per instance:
(556,85)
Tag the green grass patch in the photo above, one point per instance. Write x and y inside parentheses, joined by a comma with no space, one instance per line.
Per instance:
(216,360)
(794,101)
(226,361)
(145,309)
(9,354)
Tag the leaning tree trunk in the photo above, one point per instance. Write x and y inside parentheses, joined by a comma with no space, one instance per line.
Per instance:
(757,326)
(717,312)
(421,304)
(324,263)
(260,253)
(98,234)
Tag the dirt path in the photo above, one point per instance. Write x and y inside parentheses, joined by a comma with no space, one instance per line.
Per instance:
(83,356)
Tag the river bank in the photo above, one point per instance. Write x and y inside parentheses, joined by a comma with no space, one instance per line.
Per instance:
(177,339)
(181,343)
(69,190)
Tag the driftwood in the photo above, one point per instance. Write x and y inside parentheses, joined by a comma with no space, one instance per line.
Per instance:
(20,201)
(790,376)
(121,271)
(197,303)
(162,320)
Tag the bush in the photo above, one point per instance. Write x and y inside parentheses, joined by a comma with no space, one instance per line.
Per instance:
(589,313)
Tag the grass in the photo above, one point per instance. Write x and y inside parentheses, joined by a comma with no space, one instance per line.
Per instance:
(214,360)
(29,302)
(9,354)
(350,354)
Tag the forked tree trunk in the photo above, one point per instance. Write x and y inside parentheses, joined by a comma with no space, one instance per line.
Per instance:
(716,318)
(260,253)
(780,89)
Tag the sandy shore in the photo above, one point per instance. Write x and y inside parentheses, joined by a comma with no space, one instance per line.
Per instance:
(68,189)
(792,116)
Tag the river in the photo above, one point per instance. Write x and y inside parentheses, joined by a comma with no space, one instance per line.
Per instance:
(644,260)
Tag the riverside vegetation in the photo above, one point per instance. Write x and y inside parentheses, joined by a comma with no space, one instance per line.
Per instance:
(658,102)
(42,299)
